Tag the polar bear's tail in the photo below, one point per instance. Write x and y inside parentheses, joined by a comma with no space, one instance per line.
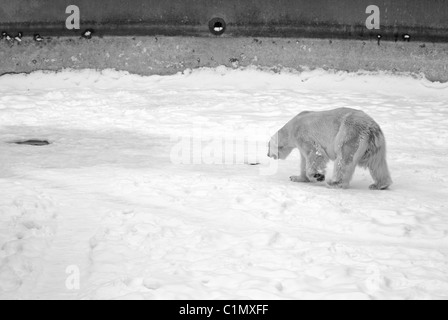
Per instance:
(375,158)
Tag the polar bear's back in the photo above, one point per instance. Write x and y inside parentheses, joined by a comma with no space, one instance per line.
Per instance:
(331,115)
(322,127)
(330,121)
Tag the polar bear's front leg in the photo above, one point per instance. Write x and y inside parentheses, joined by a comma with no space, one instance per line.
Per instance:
(316,165)
(302,177)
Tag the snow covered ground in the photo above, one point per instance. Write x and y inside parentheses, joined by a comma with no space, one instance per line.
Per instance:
(110,202)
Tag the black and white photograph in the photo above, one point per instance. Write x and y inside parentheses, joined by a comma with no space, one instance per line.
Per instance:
(204,152)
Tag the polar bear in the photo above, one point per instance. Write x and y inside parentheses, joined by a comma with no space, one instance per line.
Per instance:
(346,136)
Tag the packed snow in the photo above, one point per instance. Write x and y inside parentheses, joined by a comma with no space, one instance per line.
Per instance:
(114,209)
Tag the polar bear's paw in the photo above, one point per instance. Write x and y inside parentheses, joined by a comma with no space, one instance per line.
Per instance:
(319,177)
(336,184)
(379,187)
(299,179)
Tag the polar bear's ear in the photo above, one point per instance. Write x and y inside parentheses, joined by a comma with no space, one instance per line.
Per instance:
(304,113)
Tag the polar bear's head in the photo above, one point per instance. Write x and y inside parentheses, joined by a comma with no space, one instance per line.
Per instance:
(279,147)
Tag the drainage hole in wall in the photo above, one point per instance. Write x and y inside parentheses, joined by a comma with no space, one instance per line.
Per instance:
(217,26)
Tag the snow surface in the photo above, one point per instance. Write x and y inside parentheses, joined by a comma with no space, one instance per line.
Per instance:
(108,199)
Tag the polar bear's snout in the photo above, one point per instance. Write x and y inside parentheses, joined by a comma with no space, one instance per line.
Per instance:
(271,153)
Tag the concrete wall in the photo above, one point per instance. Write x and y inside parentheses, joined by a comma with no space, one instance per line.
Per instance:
(424,20)
(262,33)
(169,55)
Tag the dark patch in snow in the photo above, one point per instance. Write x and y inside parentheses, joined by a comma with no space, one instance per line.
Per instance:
(36,143)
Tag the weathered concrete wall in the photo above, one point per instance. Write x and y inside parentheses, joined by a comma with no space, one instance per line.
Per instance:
(169,55)
(293,26)
(424,20)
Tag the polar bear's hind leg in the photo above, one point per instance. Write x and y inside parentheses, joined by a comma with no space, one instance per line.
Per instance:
(378,168)
(348,156)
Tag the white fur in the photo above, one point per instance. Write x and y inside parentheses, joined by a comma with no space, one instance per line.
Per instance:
(346,136)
